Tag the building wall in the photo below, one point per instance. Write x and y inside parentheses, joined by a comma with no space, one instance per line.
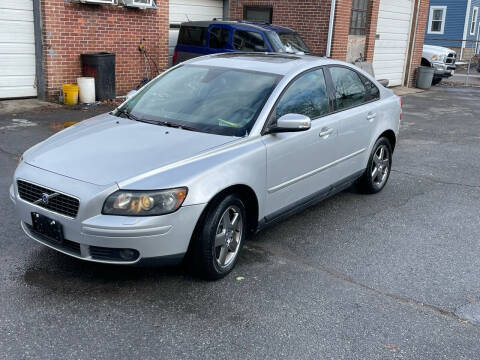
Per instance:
(70,29)
(308,17)
(418,43)
(454,23)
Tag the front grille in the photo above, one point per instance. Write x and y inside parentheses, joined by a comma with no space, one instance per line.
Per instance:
(451,58)
(60,203)
(113,254)
(66,245)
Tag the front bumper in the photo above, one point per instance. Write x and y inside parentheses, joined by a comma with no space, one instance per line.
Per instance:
(443,70)
(95,237)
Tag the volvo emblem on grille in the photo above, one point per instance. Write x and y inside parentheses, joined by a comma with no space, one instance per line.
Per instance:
(45,198)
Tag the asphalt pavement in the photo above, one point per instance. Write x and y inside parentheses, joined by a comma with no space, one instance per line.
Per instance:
(387,276)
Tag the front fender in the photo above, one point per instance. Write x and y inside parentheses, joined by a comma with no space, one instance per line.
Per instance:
(206,175)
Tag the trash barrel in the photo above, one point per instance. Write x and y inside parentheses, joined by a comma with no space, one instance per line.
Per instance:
(100,66)
(424,77)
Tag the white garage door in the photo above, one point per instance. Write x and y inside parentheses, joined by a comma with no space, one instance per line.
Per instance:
(391,46)
(190,10)
(17,49)
(195,10)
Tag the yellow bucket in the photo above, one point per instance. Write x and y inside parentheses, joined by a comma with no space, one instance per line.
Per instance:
(70,94)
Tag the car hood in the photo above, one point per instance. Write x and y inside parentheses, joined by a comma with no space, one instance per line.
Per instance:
(107,149)
(438,49)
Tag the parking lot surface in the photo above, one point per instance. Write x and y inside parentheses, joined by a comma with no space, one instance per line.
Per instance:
(392,275)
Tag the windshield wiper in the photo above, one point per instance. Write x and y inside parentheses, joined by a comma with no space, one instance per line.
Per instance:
(133,117)
(127,114)
(177,126)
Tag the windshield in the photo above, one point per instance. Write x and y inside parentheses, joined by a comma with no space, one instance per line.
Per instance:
(203,98)
(288,42)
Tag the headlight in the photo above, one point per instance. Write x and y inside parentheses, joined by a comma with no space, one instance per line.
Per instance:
(144,203)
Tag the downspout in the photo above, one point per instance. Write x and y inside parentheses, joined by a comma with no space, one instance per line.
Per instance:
(38,31)
(330,27)
(465,27)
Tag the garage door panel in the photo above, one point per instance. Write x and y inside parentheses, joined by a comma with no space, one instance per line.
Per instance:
(194,10)
(16,32)
(391,64)
(21,81)
(21,48)
(16,15)
(390,51)
(388,57)
(17,49)
(394,37)
(396,15)
(394,26)
(393,30)
(17,4)
(17,91)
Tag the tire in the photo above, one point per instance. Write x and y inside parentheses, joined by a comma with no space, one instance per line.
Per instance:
(373,181)
(436,81)
(218,239)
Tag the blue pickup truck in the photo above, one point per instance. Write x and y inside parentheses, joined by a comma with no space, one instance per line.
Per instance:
(197,38)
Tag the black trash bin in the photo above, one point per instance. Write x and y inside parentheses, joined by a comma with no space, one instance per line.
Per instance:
(100,66)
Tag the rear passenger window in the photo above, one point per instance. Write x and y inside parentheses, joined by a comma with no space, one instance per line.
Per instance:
(248,41)
(307,95)
(372,91)
(349,89)
(218,37)
(192,35)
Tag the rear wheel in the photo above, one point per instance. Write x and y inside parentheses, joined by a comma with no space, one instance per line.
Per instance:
(378,169)
(219,238)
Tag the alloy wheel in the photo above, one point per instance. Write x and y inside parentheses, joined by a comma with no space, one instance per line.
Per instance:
(380,166)
(228,236)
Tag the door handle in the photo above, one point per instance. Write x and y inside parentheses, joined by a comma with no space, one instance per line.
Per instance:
(325,132)
(371,116)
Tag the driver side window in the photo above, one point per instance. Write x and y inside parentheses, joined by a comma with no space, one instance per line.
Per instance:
(307,95)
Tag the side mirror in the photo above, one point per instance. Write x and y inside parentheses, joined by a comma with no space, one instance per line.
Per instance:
(291,123)
(131,93)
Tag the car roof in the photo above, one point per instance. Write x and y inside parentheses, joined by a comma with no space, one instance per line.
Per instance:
(273,63)
(256,25)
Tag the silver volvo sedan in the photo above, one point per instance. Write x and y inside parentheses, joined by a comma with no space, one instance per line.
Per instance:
(208,152)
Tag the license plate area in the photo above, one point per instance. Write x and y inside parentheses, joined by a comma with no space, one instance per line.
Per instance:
(47,227)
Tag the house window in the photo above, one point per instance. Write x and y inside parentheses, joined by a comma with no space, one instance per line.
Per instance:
(258,14)
(358,18)
(473,25)
(436,23)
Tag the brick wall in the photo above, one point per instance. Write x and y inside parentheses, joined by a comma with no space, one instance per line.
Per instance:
(341,29)
(308,17)
(419,39)
(371,30)
(70,29)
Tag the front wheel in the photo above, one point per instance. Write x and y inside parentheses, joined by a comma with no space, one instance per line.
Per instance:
(436,81)
(378,169)
(220,238)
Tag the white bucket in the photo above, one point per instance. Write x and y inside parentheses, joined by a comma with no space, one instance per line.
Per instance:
(86,89)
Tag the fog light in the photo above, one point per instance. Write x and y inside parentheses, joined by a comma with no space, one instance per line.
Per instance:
(128,254)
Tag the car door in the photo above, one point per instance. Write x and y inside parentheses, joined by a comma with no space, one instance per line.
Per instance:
(299,164)
(356,112)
